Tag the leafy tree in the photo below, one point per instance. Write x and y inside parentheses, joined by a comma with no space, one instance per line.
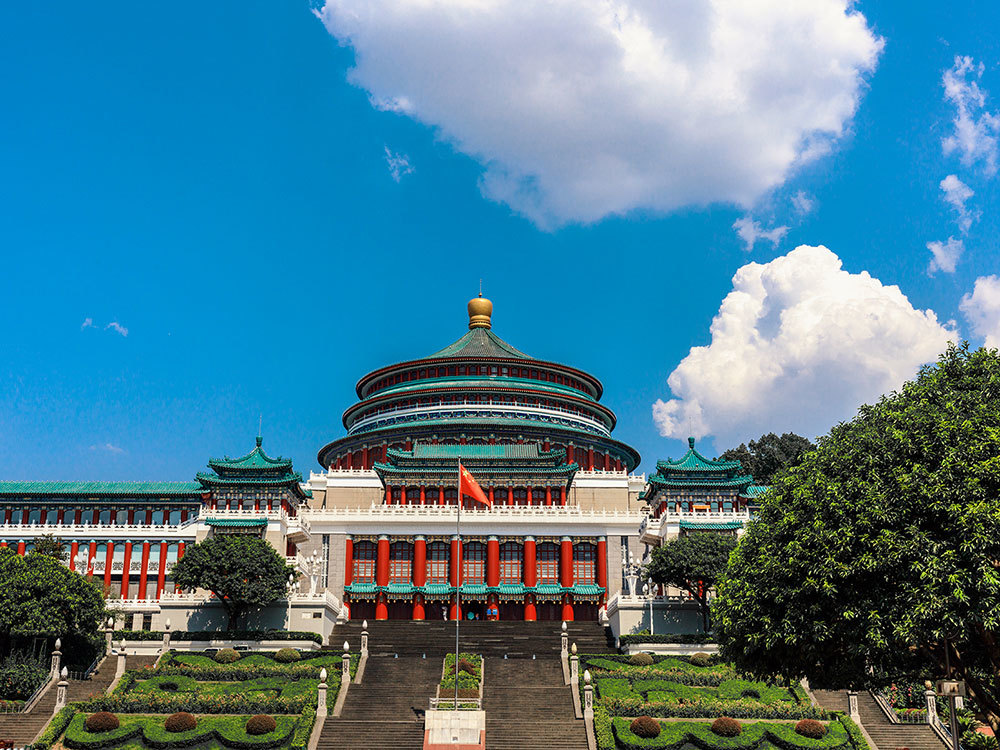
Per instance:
(767,455)
(880,550)
(50,545)
(41,598)
(692,562)
(243,572)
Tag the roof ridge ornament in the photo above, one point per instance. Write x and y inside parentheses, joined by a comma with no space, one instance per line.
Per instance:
(480,311)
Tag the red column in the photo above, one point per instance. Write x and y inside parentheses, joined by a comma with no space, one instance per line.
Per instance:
(180,551)
(162,574)
(566,575)
(24,516)
(6,516)
(590,458)
(59,516)
(529,571)
(349,562)
(456,573)
(618,464)
(131,517)
(3,545)
(91,557)
(510,496)
(602,567)
(364,458)
(107,563)
(149,516)
(423,495)
(382,577)
(20,547)
(531,496)
(491,495)
(562,495)
(570,454)
(143,571)
(493,561)
(548,496)
(96,517)
(441,495)
(419,573)
(127,564)
(74,547)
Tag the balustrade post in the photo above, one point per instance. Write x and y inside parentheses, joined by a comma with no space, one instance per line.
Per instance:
(588,697)
(56,659)
(345,667)
(364,638)
(574,666)
(109,632)
(321,694)
(166,636)
(930,698)
(564,650)
(852,706)
(61,690)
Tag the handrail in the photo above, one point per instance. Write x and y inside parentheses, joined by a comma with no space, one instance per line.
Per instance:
(883,703)
(37,695)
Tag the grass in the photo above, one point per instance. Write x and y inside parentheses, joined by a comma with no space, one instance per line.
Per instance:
(321,659)
(141,731)
(755,736)
(665,690)
(667,664)
(274,686)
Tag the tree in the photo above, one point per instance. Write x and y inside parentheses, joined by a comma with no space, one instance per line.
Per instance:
(880,550)
(41,598)
(692,562)
(766,456)
(243,572)
(47,544)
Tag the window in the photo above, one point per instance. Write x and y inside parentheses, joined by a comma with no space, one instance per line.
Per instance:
(175,517)
(364,562)
(52,516)
(158,517)
(35,515)
(547,556)
(437,562)
(510,562)
(121,517)
(400,562)
(474,562)
(584,563)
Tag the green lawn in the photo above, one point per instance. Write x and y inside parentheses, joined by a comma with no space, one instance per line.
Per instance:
(321,659)
(283,687)
(668,664)
(665,690)
(140,731)
(755,736)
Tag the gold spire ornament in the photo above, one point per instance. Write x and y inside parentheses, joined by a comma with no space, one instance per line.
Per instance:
(480,312)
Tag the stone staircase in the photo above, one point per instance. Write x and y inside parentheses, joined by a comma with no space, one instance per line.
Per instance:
(21,729)
(525,700)
(885,734)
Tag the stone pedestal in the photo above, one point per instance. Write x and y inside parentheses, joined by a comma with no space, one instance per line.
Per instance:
(455,730)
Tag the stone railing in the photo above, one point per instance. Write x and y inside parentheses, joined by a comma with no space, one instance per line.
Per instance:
(448,512)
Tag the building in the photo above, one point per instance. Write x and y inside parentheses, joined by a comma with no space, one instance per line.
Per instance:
(373,534)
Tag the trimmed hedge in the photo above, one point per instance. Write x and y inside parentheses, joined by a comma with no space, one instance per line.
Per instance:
(227,656)
(632,706)
(287,655)
(228,731)
(220,635)
(235,672)
(179,722)
(138,703)
(810,728)
(55,728)
(858,741)
(725,726)
(603,730)
(674,735)
(102,721)
(645,726)
(640,660)
(300,738)
(260,724)
(630,638)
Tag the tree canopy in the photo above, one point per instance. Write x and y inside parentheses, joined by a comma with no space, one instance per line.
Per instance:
(880,549)
(766,456)
(41,598)
(692,562)
(243,572)
(50,545)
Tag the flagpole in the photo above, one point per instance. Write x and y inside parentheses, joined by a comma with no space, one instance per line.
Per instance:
(458,578)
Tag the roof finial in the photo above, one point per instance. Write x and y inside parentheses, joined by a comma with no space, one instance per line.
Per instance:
(260,429)
(480,311)
(480,287)
(691,443)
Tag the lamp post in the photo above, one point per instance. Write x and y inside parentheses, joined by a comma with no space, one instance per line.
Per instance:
(632,575)
(293,587)
(650,591)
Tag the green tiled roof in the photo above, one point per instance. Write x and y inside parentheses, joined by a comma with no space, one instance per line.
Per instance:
(400,588)
(102,489)
(476,381)
(686,483)
(438,588)
(548,588)
(474,588)
(516,450)
(286,478)
(254,460)
(588,589)
(756,490)
(694,461)
(477,343)
(361,588)
(239,522)
(256,469)
(479,421)
(710,525)
(511,588)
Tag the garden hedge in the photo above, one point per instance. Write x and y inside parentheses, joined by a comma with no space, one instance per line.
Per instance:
(228,731)
(220,635)
(55,728)
(138,703)
(625,640)
(675,735)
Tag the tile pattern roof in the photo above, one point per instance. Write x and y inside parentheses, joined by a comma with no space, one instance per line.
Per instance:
(102,489)
(480,343)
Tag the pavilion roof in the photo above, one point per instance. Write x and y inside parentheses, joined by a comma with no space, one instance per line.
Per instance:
(480,342)
(101,489)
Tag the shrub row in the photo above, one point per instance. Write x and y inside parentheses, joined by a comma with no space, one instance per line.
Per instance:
(229,732)
(136,703)
(691,679)
(858,741)
(625,640)
(300,737)
(212,635)
(232,672)
(55,728)
(674,736)
(709,709)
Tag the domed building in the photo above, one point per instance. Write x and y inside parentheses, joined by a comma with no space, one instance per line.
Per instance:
(538,441)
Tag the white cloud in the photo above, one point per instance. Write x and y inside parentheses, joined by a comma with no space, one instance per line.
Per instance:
(976,128)
(117,327)
(956,194)
(982,309)
(798,344)
(399,164)
(751,231)
(803,203)
(108,448)
(945,255)
(87,323)
(579,109)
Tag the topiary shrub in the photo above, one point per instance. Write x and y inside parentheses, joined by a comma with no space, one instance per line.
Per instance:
(645,726)
(181,721)
(464,665)
(811,728)
(750,693)
(287,655)
(641,660)
(102,721)
(700,659)
(261,724)
(169,687)
(726,727)
(226,655)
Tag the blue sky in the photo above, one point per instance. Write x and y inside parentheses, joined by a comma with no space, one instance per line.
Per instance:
(215,182)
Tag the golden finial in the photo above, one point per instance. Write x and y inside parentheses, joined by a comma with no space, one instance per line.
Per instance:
(480,311)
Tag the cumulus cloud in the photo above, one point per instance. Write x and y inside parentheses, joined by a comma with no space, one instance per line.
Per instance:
(945,255)
(975,128)
(798,344)
(803,203)
(579,109)
(117,327)
(982,309)
(956,194)
(751,231)
(87,323)
(399,164)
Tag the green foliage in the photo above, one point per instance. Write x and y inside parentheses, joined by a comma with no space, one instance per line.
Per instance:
(49,545)
(469,675)
(769,454)
(281,686)
(693,562)
(209,635)
(226,655)
(21,675)
(243,572)
(641,660)
(633,704)
(287,655)
(644,726)
(857,740)
(181,721)
(167,703)
(40,597)
(762,736)
(700,659)
(55,728)
(881,543)
(725,726)
(631,638)
(261,724)
(102,721)
(300,740)
(148,731)
(603,730)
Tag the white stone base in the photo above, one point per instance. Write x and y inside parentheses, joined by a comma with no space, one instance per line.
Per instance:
(454,730)
(629,614)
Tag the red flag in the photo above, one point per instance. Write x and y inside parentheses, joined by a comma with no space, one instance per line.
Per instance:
(467,486)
